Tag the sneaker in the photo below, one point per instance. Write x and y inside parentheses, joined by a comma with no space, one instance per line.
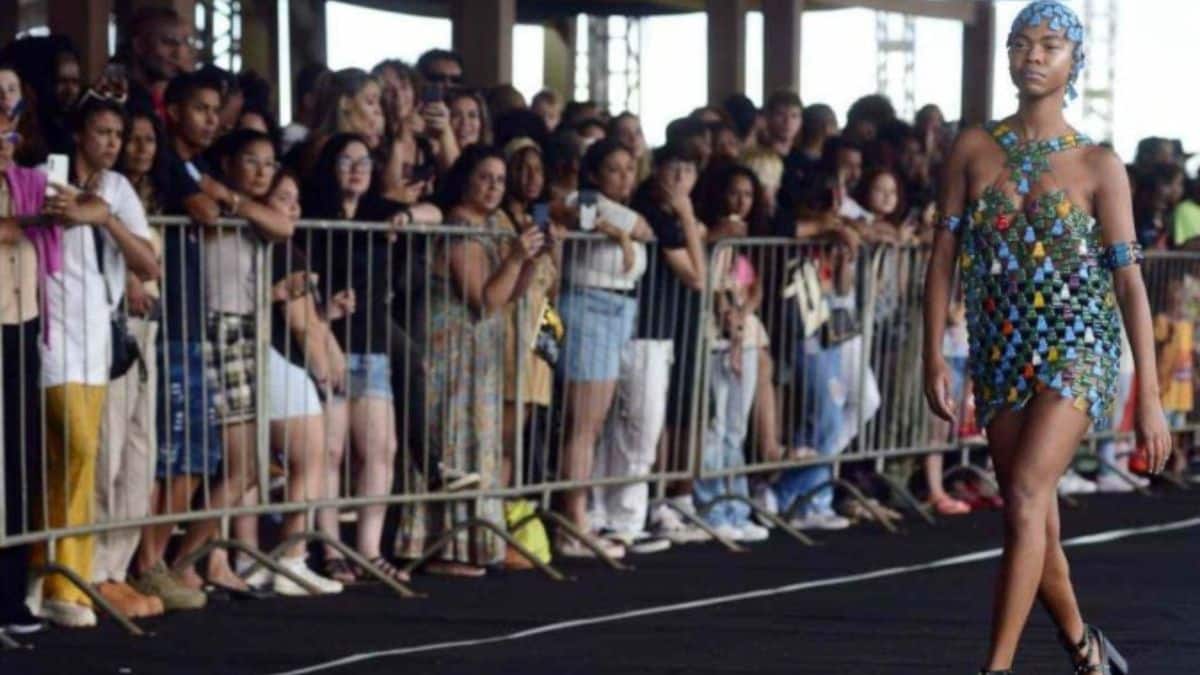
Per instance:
(764,498)
(259,578)
(820,521)
(569,547)
(22,622)
(68,614)
(297,566)
(640,543)
(1111,482)
(1073,484)
(749,532)
(161,583)
(668,523)
(728,532)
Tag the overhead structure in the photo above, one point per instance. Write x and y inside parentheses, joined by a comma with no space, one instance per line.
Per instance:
(895,60)
(1099,78)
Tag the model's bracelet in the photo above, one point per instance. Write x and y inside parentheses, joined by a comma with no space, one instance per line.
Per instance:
(951,223)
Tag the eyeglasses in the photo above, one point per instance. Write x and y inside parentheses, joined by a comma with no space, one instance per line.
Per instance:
(257,164)
(349,164)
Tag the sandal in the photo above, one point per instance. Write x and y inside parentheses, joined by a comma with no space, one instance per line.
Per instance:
(448,568)
(945,505)
(382,565)
(339,569)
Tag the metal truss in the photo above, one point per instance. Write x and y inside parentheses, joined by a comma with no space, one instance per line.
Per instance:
(895,60)
(1099,78)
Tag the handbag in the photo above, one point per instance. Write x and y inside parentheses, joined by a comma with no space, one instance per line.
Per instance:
(547,342)
(125,350)
(805,290)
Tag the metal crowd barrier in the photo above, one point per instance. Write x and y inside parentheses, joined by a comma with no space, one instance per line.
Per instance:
(317,402)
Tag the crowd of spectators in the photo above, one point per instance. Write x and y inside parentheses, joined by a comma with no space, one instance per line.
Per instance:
(470,320)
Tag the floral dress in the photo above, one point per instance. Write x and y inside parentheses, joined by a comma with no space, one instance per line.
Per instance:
(463,391)
(1041,310)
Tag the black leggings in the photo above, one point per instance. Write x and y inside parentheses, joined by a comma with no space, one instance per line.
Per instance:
(21,402)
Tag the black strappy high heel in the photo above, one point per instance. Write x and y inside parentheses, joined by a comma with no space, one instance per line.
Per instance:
(1111,661)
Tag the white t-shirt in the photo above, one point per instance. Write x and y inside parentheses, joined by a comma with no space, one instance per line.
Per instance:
(600,264)
(229,270)
(78,349)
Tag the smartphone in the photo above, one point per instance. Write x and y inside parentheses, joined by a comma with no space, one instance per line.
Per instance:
(56,172)
(541,216)
(431,93)
(587,209)
(422,173)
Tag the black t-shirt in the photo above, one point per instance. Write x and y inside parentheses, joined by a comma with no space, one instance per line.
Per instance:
(183,272)
(286,260)
(667,309)
(363,261)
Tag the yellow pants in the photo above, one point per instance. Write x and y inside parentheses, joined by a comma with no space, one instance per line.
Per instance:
(73,415)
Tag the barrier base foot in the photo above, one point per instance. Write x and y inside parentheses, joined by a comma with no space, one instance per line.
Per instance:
(855,494)
(567,527)
(260,559)
(762,513)
(98,600)
(9,644)
(699,522)
(907,497)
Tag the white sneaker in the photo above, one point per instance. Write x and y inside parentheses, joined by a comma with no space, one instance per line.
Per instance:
(820,521)
(297,566)
(1111,482)
(640,543)
(667,523)
(728,532)
(570,547)
(260,578)
(1073,484)
(749,532)
(67,614)
(764,498)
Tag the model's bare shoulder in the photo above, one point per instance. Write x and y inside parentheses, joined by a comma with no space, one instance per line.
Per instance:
(1106,167)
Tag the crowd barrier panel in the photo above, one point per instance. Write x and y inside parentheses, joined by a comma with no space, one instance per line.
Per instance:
(477,413)
(881,370)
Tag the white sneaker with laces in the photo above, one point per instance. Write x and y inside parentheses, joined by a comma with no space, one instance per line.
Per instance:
(640,543)
(67,614)
(820,521)
(749,532)
(728,532)
(764,498)
(569,547)
(260,578)
(297,566)
(1073,484)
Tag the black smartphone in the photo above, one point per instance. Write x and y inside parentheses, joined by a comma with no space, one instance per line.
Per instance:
(431,93)
(541,216)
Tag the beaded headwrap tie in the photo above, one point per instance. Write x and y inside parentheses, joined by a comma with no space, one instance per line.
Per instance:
(951,223)
(1058,17)
(1122,254)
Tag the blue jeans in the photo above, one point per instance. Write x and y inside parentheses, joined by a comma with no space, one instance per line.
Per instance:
(732,397)
(818,427)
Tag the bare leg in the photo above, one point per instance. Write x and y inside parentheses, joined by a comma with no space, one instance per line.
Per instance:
(336,423)
(176,498)
(372,425)
(766,415)
(1047,434)
(587,407)
(304,441)
(240,466)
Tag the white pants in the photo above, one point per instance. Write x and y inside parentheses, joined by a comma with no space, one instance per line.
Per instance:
(125,463)
(629,443)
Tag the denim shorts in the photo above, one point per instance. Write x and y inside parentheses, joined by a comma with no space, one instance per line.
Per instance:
(189,438)
(598,323)
(369,375)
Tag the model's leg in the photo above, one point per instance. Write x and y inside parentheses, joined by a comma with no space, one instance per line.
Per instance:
(1049,434)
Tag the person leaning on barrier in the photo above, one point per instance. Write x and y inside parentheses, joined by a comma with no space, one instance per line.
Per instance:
(29,250)
(189,441)
(470,287)
(362,261)
(247,166)
(125,463)
(106,229)
(599,307)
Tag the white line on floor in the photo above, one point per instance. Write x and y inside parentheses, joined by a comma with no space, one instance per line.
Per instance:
(1087,540)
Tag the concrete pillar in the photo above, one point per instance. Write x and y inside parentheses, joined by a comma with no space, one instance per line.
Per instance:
(307,33)
(558,65)
(86,23)
(978,63)
(260,41)
(483,35)
(726,48)
(781,45)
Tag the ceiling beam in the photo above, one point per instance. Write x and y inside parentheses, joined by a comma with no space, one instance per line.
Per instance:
(957,10)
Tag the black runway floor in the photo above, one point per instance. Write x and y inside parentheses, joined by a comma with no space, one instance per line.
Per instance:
(1143,590)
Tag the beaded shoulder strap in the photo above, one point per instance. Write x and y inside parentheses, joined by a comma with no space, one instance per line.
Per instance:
(1027,162)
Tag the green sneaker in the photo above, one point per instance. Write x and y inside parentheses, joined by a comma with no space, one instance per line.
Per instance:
(161,583)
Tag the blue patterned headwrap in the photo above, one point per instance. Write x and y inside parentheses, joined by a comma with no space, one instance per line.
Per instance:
(1059,18)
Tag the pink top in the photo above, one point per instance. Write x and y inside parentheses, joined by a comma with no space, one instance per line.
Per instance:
(27,188)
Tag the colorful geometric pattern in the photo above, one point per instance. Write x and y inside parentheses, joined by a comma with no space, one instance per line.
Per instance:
(1041,309)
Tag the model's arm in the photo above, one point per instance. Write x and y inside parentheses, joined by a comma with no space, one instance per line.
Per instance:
(1114,211)
(940,275)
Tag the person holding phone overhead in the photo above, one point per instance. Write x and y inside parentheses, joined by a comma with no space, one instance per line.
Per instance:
(1039,221)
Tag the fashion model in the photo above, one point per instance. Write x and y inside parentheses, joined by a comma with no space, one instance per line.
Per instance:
(1039,221)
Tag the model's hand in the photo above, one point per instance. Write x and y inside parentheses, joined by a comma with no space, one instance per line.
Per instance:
(937,389)
(1153,434)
